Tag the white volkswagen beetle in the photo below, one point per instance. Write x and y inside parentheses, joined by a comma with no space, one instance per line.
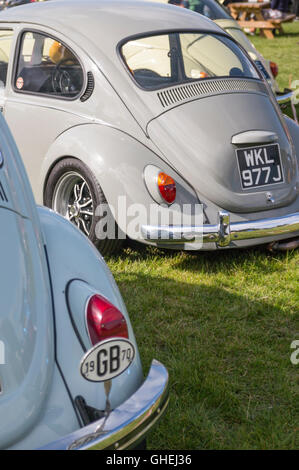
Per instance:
(145,108)
(70,371)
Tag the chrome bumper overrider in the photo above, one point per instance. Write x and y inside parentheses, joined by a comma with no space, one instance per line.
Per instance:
(284,98)
(128,424)
(224,232)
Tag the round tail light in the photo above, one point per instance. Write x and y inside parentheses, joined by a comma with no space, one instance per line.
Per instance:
(274,69)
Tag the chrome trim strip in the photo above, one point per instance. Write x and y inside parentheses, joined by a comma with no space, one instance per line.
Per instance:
(128,424)
(224,232)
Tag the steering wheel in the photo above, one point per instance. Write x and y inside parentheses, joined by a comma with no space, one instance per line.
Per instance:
(61,79)
(236,72)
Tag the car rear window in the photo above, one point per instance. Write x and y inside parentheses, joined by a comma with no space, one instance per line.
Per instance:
(161,60)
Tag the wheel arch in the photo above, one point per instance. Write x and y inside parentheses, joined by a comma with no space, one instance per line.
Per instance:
(54,163)
(98,147)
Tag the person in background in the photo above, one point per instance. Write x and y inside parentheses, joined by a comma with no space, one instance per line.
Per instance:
(194,5)
(279,8)
(179,3)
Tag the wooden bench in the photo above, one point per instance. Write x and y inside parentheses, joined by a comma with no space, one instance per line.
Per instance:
(250,15)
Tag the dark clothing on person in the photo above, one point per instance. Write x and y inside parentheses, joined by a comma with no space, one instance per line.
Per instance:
(281,5)
(180,3)
(194,5)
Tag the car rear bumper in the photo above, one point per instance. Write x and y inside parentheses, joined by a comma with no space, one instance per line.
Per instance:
(224,232)
(284,98)
(127,425)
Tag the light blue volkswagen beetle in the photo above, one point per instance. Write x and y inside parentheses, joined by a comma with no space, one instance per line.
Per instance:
(70,371)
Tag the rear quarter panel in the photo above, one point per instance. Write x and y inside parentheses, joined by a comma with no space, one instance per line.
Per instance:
(72,256)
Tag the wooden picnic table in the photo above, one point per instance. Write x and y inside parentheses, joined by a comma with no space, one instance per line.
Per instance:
(250,15)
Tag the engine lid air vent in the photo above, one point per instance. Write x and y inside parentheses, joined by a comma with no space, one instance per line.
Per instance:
(171,96)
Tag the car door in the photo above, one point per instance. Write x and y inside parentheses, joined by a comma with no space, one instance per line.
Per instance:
(42,97)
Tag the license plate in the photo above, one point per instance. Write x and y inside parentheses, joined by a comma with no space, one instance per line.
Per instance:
(260,166)
(107,359)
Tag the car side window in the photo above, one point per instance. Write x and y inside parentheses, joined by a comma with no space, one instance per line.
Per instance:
(46,66)
(5,46)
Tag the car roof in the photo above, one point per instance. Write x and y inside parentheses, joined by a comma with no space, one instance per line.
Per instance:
(97,26)
(107,21)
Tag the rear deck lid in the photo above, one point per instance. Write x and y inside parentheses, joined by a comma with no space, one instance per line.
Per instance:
(232,148)
(218,125)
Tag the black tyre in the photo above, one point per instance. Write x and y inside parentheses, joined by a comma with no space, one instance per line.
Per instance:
(73,191)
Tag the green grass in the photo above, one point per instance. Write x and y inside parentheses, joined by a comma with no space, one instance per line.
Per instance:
(222,323)
(284,50)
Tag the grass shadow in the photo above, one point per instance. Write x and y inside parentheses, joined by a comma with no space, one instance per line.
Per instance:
(226,260)
(228,358)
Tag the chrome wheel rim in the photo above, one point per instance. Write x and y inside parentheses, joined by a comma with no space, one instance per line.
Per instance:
(73,200)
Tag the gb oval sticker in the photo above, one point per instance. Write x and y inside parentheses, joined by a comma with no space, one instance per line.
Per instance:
(107,359)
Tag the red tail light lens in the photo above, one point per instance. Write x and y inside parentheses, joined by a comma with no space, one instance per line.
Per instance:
(167,187)
(274,69)
(104,320)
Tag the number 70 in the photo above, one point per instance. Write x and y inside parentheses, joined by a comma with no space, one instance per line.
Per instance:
(126,353)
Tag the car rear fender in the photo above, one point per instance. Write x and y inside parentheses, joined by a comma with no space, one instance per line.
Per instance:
(117,160)
(72,257)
